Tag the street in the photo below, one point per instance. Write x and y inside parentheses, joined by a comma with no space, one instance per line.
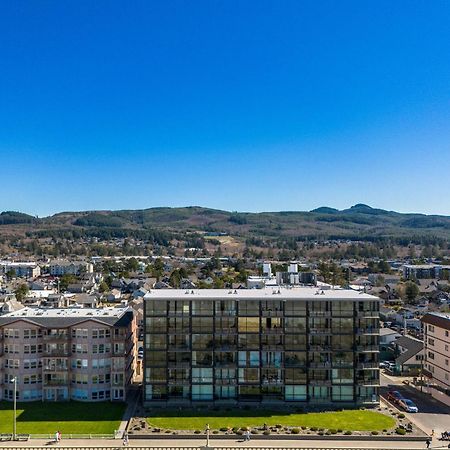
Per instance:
(432,415)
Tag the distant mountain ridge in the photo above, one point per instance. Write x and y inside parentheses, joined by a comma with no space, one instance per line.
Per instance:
(360,221)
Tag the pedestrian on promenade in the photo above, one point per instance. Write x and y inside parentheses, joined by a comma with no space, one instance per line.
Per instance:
(59,436)
(428,442)
(56,437)
(125,440)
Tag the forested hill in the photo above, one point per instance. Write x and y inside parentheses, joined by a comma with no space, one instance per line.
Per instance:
(360,222)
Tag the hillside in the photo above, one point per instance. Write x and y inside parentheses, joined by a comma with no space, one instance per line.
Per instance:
(360,222)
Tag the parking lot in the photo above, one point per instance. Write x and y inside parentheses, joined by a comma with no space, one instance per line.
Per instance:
(432,415)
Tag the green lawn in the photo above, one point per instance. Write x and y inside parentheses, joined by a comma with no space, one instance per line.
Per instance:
(70,417)
(354,420)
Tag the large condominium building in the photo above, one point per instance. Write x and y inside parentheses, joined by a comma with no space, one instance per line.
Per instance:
(62,267)
(20,269)
(265,345)
(63,354)
(437,350)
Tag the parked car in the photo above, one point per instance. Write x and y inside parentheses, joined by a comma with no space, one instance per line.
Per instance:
(408,405)
(395,397)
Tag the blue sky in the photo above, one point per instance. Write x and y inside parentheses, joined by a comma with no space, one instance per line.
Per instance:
(238,105)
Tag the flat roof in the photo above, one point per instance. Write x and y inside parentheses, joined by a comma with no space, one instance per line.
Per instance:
(297,293)
(68,312)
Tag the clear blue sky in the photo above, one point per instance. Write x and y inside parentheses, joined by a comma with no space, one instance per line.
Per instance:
(240,105)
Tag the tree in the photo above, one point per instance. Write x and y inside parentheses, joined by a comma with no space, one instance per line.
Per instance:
(21,292)
(11,274)
(103,286)
(411,291)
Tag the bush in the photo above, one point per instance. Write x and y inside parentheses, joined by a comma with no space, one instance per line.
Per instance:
(304,428)
(278,425)
(333,431)
(400,431)
(235,429)
(401,416)
(197,431)
(266,432)
(255,432)
(295,431)
(224,429)
(313,428)
(215,431)
(340,430)
(239,432)
(375,432)
(320,433)
(328,433)
(384,431)
(245,429)
(348,433)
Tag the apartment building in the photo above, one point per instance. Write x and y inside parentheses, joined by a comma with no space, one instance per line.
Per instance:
(20,269)
(67,354)
(61,267)
(436,328)
(268,345)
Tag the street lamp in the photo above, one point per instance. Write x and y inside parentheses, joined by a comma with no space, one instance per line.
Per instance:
(15,408)
(207,434)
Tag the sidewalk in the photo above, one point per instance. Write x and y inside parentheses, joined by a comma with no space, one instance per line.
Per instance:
(196,443)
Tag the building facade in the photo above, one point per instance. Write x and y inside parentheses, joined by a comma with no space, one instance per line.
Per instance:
(20,269)
(270,345)
(60,268)
(437,351)
(67,354)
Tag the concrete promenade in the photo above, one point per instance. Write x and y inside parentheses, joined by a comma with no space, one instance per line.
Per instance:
(218,443)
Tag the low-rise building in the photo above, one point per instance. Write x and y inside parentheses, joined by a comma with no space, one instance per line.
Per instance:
(20,269)
(67,354)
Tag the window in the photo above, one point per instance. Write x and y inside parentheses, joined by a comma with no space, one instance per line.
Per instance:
(430,341)
(292,393)
(342,393)
(431,355)
(431,328)
(202,375)
(248,324)
(202,392)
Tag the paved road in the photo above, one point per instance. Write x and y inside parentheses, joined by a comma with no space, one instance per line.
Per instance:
(432,415)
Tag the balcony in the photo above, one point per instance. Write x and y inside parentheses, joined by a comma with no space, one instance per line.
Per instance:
(367,348)
(368,331)
(368,314)
(57,352)
(368,365)
(320,331)
(55,337)
(320,348)
(59,382)
(54,369)
(320,313)
(320,364)
(368,381)
(320,382)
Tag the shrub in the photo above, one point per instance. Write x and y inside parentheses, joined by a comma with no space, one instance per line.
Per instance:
(333,431)
(266,432)
(295,431)
(255,432)
(340,430)
(197,431)
(313,428)
(224,429)
(401,431)
(348,433)
(401,416)
(244,428)
(240,432)
(278,425)
(328,433)
(215,431)
(375,432)
(384,431)
(235,429)
(304,428)
(320,433)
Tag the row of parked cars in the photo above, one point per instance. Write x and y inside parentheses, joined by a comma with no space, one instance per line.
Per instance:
(404,403)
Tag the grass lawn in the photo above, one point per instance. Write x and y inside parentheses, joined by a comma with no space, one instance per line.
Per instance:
(67,417)
(353,420)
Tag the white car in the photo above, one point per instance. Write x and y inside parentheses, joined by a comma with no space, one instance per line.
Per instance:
(408,405)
